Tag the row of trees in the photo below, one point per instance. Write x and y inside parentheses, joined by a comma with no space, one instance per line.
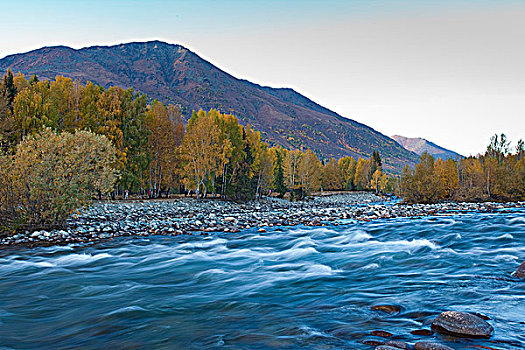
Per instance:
(498,174)
(144,136)
(218,155)
(155,152)
(63,142)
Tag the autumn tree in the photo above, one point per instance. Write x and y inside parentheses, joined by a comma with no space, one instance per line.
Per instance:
(362,174)
(262,165)
(384,183)
(231,130)
(30,111)
(291,169)
(50,176)
(347,167)
(421,185)
(520,150)
(165,133)
(203,152)
(447,172)
(498,147)
(6,123)
(471,179)
(310,171)
(516,186)
(332,178)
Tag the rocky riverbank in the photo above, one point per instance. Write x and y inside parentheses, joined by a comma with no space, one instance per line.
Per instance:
(106,220)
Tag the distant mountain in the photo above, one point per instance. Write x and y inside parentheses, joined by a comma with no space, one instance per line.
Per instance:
(174,74)
(419,146)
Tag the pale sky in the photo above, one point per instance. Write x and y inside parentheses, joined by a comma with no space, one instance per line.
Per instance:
(451,71)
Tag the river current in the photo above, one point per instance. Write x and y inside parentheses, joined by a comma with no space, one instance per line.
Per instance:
(288,288)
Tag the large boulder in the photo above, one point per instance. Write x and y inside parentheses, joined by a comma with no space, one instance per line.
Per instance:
(462,324)
(520,271)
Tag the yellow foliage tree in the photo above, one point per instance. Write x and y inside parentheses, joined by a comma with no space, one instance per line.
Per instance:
(203,152)
(362,173)
(376,180)
(347,169)
(310,171)
(447,172)
(291,169)
(50,176)
(421,185)
(165,136)
(332,179)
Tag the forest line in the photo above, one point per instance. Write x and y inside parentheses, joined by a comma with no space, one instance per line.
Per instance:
(63,143)
(155,152)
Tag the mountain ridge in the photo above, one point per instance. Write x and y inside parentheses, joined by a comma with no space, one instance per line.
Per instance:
(174,74)
(420,145)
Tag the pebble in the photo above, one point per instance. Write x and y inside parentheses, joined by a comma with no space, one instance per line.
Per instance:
(462,324)
(106,220)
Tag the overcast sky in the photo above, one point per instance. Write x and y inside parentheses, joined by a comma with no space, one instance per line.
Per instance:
(452,72)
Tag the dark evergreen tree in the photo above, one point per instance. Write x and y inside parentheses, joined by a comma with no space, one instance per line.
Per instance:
(9,88)
(245,186)
(375,162)
(33,80)
(278,175)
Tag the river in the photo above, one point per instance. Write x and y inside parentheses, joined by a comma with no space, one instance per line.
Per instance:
(288,288)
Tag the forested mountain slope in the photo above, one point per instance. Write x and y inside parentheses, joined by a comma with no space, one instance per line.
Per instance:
(174,74)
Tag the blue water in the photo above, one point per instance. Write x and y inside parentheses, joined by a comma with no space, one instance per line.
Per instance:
(289,288)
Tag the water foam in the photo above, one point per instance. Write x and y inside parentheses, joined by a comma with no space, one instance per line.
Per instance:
(203,244)
(127,309)
(78,259)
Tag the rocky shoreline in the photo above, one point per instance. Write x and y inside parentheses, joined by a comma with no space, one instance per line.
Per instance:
(107,220)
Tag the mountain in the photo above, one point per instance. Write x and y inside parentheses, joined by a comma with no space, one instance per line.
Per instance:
(419,146)
(174,74)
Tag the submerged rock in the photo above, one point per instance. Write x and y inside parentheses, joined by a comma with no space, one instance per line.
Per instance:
(520,271)
(386,347)
(462,324)
(424,332)
(423,345)
(373,342)
(382,334)
(390,309)
(399,345)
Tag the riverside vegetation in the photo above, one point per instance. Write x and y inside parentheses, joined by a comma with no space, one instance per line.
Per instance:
(147,147)
(64,143)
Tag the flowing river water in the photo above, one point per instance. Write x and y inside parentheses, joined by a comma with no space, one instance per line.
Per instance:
(288,288)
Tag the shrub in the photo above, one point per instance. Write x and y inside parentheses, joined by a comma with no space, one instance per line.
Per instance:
(50,176)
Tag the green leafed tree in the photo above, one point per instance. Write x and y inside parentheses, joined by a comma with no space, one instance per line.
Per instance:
(278,184)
